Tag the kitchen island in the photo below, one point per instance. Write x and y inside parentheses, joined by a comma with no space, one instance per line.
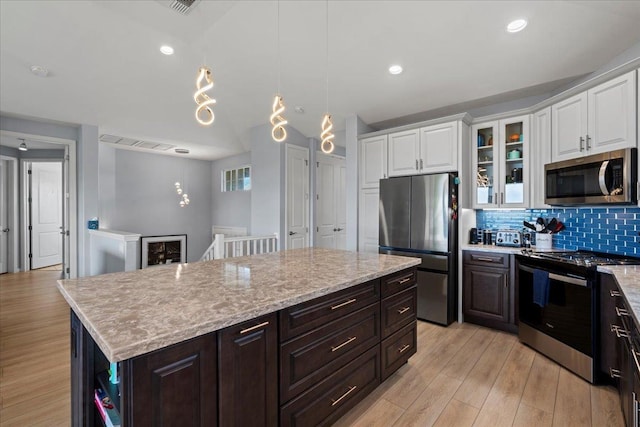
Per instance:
(296,336)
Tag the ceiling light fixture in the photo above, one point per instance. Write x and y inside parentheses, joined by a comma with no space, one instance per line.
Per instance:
(395,69)
(23,145)
(327,125)
(299,109)
(516,25)
(181,151)
(166,49)
(39,70)
(278,132)
(202,99)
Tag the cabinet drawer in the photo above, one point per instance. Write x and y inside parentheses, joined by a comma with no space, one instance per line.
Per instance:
(486,258)
(323,404)
(313,356)
(397,349)
(309,315)
(397,282)
(398,310)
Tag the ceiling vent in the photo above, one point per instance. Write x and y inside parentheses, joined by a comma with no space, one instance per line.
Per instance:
(183,6)
(129,142)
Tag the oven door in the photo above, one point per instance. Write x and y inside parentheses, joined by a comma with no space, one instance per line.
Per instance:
(568,315)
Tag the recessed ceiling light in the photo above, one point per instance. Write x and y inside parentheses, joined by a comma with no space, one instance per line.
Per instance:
(181,151)
(39,71)
(167,50)
(22,146)
(299,109)
(517,25)
(395,69)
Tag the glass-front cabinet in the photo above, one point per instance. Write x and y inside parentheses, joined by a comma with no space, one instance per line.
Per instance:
(501,161)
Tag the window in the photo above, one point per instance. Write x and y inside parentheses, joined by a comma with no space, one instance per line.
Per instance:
(236,179)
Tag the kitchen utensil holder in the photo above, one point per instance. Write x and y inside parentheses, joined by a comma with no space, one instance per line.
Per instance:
(544,240)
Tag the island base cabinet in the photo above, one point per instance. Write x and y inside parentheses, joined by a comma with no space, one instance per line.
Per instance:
(327,401)
(397,349)
(172,386)
(248,373)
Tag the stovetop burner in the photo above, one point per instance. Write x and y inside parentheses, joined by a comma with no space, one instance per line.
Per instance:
(586,258)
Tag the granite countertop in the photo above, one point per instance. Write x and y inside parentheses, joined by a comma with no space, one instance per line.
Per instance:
(628,278)
(132,313)
(504,249)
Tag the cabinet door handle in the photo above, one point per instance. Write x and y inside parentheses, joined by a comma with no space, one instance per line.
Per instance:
(342,304)
(614,373)
(253,328)
(416,164)
(405,280)
(588,140)
(335,402)
(614,293)
(501,198)
(421,165)
(620,333)
(581,144)
(404,348)
(621,312)
(404,310)
(338,347)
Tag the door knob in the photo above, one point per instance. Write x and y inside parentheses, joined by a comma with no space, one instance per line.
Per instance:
(5,230)
(291,233)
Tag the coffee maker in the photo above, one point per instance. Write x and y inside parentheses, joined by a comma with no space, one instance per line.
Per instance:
(474,236)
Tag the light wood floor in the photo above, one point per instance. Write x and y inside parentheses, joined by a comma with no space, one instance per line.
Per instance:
(463,375)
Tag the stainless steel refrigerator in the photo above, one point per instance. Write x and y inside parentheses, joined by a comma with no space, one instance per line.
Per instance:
(418,218)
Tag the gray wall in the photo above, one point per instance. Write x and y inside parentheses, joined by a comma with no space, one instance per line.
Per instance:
(146,201)
(230,208)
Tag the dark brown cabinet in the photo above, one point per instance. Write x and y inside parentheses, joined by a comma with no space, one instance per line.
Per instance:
(609,297)
(488,290)
(173,386)
(248,373)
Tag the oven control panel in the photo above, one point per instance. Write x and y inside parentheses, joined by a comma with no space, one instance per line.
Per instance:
(509,238)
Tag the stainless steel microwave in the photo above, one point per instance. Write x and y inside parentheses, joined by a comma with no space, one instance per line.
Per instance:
(593,180)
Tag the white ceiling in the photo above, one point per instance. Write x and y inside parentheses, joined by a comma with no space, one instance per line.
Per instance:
(106,69)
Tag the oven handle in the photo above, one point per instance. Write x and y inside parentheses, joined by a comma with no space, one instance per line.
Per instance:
(558,277)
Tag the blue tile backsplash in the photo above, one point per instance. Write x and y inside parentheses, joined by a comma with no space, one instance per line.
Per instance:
(611,230)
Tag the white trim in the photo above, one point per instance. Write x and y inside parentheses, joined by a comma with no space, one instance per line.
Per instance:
(13,240)
(121,236)
(73,193)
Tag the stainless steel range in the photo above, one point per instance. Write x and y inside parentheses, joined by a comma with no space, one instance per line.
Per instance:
(557,305)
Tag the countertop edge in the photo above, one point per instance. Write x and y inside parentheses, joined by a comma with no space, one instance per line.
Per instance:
(158,342)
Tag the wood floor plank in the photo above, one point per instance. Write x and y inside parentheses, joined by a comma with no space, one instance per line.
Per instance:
(502,403)
(426,409)
(540,391)
(605,407)
(573,401)
(462,363)
(382,414)
(528,416)
(457,414)
(480,379)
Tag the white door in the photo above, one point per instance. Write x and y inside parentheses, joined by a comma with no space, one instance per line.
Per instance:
(297,176)
(569,128)
(46,214)
(4,224)
(404,152)
(331,202)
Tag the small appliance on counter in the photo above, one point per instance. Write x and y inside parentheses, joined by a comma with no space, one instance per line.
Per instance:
(475,236)
(512,238)
(487,237)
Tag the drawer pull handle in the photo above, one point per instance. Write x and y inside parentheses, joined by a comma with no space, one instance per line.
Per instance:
(351,301)
(338,347)
(335,402)
(404,348)
(614,293)
(485,259)
(253,328)
(620,333)
(404,310)
(615,373)
(621,312)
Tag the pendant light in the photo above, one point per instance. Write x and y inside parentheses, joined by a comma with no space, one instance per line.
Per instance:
(278,131)
(327,125)
(204,112)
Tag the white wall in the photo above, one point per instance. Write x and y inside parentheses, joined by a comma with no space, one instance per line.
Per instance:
(230,208)
(146,201)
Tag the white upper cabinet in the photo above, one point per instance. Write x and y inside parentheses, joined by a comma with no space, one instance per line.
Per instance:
(430,149)
(540,156)
(598,120)
(404,153)
(501,162)
(439,148)
(373,161)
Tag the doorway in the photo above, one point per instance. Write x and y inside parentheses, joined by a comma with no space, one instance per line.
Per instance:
(42,149)
(331,202)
